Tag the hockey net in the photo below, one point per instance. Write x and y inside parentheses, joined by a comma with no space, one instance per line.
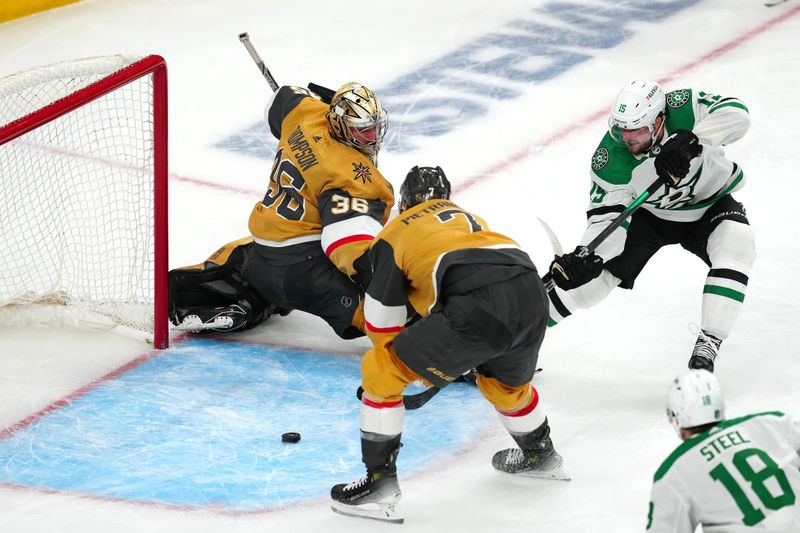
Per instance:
(83,215)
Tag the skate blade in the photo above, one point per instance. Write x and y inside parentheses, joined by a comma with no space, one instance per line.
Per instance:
(554,474)
(549,475)
(557,474)
(387,512)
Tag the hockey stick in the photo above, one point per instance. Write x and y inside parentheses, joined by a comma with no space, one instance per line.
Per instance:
(583,251)
(617,222)
(415,401)
(554,242)
(245,38)
(410,401)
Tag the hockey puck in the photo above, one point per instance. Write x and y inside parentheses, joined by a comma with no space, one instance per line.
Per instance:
(291,436)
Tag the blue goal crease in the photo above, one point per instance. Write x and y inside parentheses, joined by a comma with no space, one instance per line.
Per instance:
(200,425)
(496,66)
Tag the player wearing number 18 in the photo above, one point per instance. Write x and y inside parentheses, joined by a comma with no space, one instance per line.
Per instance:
(733,475)
(480,304)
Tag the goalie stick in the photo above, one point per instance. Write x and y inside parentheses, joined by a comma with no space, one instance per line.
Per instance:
(324,93)
(245,39)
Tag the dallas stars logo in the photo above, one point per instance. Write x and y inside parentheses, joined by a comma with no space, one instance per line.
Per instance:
(599,159)
(362,172)
(677,98)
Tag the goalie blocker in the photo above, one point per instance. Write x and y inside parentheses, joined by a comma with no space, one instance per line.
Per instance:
(213,296)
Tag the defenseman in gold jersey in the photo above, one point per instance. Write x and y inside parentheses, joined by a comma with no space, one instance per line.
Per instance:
(325,203)
(480,303)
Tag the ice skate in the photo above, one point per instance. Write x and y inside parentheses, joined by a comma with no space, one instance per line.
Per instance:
(518,462)
(705,352)
(535,458)
(374,496)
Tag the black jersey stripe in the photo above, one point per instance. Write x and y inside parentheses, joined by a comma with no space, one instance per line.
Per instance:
(604,210)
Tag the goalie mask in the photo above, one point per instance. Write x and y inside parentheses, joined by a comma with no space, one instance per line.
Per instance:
(634,119)
(694,399)
(423,184)
(357,118)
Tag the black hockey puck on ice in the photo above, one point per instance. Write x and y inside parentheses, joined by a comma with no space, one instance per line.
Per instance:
(290,437)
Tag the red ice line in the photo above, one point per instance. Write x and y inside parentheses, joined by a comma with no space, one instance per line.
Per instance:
(66,400)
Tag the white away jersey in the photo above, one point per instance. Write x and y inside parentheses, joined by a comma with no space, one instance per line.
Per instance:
(743,475)
(618,177)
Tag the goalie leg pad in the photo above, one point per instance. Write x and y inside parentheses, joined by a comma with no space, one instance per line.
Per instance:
(214,296)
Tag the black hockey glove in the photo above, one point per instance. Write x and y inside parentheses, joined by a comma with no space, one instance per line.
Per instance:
(571,270)
(672,162)
(323,92)
(363,274)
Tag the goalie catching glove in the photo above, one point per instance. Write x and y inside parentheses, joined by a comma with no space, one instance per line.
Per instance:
(575,268)
(672,162)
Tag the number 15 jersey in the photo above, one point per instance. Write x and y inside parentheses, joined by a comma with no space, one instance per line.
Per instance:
(743,475)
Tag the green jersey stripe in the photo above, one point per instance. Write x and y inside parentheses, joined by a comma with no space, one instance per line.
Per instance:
(700,437)
(723,291)
(729,104)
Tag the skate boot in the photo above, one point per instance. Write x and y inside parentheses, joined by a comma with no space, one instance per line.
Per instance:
(705,352)
(536,457)
(375,496)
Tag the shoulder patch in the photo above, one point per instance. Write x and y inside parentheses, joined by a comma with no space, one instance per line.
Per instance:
(362,172)
(599,159)
(677,98)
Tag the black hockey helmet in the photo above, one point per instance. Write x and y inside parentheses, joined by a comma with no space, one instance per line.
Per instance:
(423,184)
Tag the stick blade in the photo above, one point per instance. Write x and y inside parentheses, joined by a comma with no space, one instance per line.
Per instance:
(554,242)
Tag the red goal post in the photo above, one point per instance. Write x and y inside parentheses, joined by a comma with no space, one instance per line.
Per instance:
(83,216)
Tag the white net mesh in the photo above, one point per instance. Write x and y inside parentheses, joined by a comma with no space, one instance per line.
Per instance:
(76,218)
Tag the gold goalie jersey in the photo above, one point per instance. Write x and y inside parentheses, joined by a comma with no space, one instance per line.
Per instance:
(412,253)
(320,191)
